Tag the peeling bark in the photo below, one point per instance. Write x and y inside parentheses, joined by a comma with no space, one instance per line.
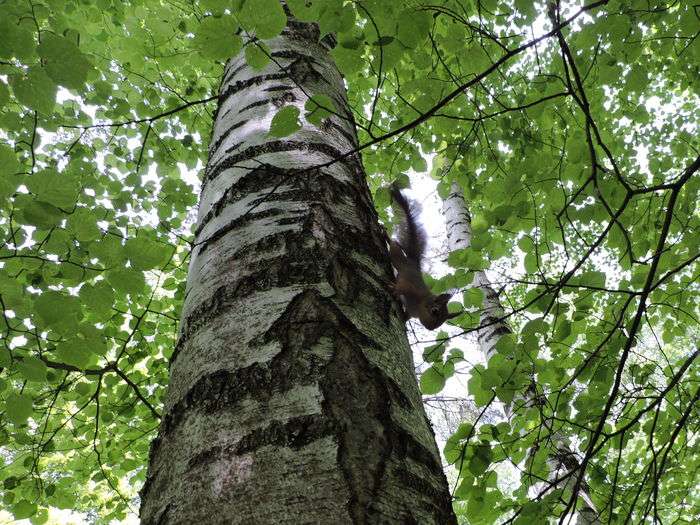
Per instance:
(292,397)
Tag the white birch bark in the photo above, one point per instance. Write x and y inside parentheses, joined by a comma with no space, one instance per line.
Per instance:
(561,459)
(292,397)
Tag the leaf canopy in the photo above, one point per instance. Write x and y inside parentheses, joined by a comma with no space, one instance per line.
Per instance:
(573,133)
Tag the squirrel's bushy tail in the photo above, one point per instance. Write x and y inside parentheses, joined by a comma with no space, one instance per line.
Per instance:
(411,235)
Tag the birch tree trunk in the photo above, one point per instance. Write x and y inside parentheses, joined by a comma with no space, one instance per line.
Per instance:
(561,459)
(292,397)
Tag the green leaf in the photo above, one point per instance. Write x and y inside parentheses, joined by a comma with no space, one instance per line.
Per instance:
(479,224)
(285,122)
(535,326)
(5,358)
(18,408)
(502,213)
(384,41)
(257,54)
(145,254)
(9,166)
(265,17)
(24,509)
(10,482)
(63,61)
(637,78)
(594,279)
(216,38)
(99,298)
(83,224)
(481,395)
(35,90)
(434,353)
(32,369)
(17,38)
(336,17)
(465,487)
(413,27)
(473,297)
(305,10)
(481,240)
(351,40)
(531,263)
(563,329)
(126,280)
(526,8)
(481,459)
(108,249)
(58,189)
(318,108)
(57,309)
(41,214)
(432,381)
(454,447)
(41,516)
(506,345)
(75,353)
(349,61)
(419,163)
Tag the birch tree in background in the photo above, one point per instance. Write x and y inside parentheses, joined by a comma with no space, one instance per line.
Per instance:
(561,461)
(292,396)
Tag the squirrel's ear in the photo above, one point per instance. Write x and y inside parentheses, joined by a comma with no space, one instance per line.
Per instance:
(443,298)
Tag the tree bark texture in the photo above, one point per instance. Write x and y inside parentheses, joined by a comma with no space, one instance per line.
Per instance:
(292,395)
(561,458)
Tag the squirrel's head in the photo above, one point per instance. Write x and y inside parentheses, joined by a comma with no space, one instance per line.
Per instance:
(434,312)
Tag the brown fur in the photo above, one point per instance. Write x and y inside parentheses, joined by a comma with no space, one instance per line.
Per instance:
(406,255)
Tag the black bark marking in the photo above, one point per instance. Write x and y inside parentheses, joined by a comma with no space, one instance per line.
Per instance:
(237,87)
(300,259)
(352,140)
(295,433)
(205,457)
(294,55)
(239,222)
(226,133)
(291,268)
(255,104)
(285,98)
(301,31)
(279,101)
(254,181)
(279,87)
(276,146)
(303,72)
(235,72)
(267,180)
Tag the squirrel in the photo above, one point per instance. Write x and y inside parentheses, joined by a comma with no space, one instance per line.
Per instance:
(406,256)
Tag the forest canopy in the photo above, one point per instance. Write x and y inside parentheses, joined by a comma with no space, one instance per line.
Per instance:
(571,127)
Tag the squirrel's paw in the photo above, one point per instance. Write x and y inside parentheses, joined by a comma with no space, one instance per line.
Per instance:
(397,296)
(394,291)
